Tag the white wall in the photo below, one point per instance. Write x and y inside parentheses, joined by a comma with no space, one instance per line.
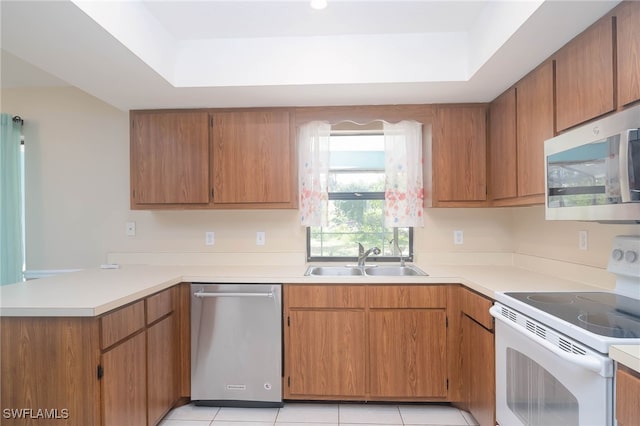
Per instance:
(77,183)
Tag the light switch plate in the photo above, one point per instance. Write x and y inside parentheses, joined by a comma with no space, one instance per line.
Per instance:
(130,229)
(260,238)
(458,237)
(209,238)
(583,240)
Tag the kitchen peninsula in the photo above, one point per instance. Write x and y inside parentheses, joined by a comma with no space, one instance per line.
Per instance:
(101,330)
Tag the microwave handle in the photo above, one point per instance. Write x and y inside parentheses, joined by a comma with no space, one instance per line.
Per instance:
(623,158)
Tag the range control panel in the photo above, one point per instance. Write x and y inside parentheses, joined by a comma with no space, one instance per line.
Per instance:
(625,256)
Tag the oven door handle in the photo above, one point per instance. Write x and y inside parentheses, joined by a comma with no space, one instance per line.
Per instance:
(601,365)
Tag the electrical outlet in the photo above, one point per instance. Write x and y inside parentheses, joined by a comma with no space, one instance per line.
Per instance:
(260,238)
(583,240)
(458,237)
(209,238)
(130,229)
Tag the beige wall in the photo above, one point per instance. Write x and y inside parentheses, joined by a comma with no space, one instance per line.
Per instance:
(77,202)
(534,236)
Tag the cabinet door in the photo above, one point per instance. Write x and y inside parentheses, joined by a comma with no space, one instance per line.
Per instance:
(628,16)
(478,375)
(459,154)
(161,369)
(584,76)
(326,354)
(502,145)
(170,158)
(627,391)
(407,351)
(124,389)
(534,108)
(252,157)
(50,363)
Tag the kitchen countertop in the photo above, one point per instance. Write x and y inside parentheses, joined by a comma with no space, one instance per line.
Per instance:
(92,292)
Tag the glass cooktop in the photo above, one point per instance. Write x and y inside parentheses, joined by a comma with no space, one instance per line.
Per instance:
(606,314)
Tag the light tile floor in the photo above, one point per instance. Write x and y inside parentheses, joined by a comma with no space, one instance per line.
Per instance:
(305,414)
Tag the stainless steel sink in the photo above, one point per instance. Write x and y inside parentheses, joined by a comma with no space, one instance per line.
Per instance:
(393,270)
(386,271)
(333,271)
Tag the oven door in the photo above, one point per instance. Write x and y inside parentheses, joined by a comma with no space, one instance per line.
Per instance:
(538,385)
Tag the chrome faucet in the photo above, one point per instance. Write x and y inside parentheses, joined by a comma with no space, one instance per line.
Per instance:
(362,255)
(398,249)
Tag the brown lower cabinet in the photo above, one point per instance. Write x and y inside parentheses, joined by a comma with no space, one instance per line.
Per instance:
(124,384)
(342,342)
(317,339)
(477,357)
(407,353)
(117,369)
(365,342)
(162,371)
(627,391)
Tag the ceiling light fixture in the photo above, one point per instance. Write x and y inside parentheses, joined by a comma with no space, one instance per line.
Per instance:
(318,4)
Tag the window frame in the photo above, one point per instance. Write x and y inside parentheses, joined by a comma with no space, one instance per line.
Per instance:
(358,195)
(407,258)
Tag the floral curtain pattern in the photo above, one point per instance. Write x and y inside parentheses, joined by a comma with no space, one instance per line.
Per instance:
(404,187)
(313,173)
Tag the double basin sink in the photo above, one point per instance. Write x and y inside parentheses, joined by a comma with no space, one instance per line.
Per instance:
(357,271)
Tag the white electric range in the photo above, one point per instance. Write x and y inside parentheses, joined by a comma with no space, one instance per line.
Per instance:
(552,363)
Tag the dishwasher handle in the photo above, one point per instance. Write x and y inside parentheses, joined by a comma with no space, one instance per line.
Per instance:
(202,293)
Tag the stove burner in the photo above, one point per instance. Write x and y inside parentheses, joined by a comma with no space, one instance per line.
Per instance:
(559,298)
(610,324)
(605,314)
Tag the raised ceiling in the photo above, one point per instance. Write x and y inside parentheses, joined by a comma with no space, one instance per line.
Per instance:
(180,54)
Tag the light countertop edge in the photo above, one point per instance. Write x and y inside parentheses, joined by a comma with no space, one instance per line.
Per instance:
(627,355)
(92,292)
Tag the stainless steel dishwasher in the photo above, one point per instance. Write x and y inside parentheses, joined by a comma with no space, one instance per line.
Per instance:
(236,345)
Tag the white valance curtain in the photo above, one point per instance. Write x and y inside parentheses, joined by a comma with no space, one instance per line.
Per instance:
(404,189)
(10,201)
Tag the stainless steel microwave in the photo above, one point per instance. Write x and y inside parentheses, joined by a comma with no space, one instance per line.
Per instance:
(593,171)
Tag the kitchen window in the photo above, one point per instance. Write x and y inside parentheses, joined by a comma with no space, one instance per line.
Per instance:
(356,197)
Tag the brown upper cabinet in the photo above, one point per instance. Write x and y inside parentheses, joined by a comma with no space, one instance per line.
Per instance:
(459,154)
(628,52)
(520,120)
(253,158)
(212,159)
(169,158)
(585,75)
(535,124)
(502,146)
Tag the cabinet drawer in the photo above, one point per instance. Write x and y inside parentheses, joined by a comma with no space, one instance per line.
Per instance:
(324,296)
(121,323)
(159,305)
(407,296)
(477,308)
